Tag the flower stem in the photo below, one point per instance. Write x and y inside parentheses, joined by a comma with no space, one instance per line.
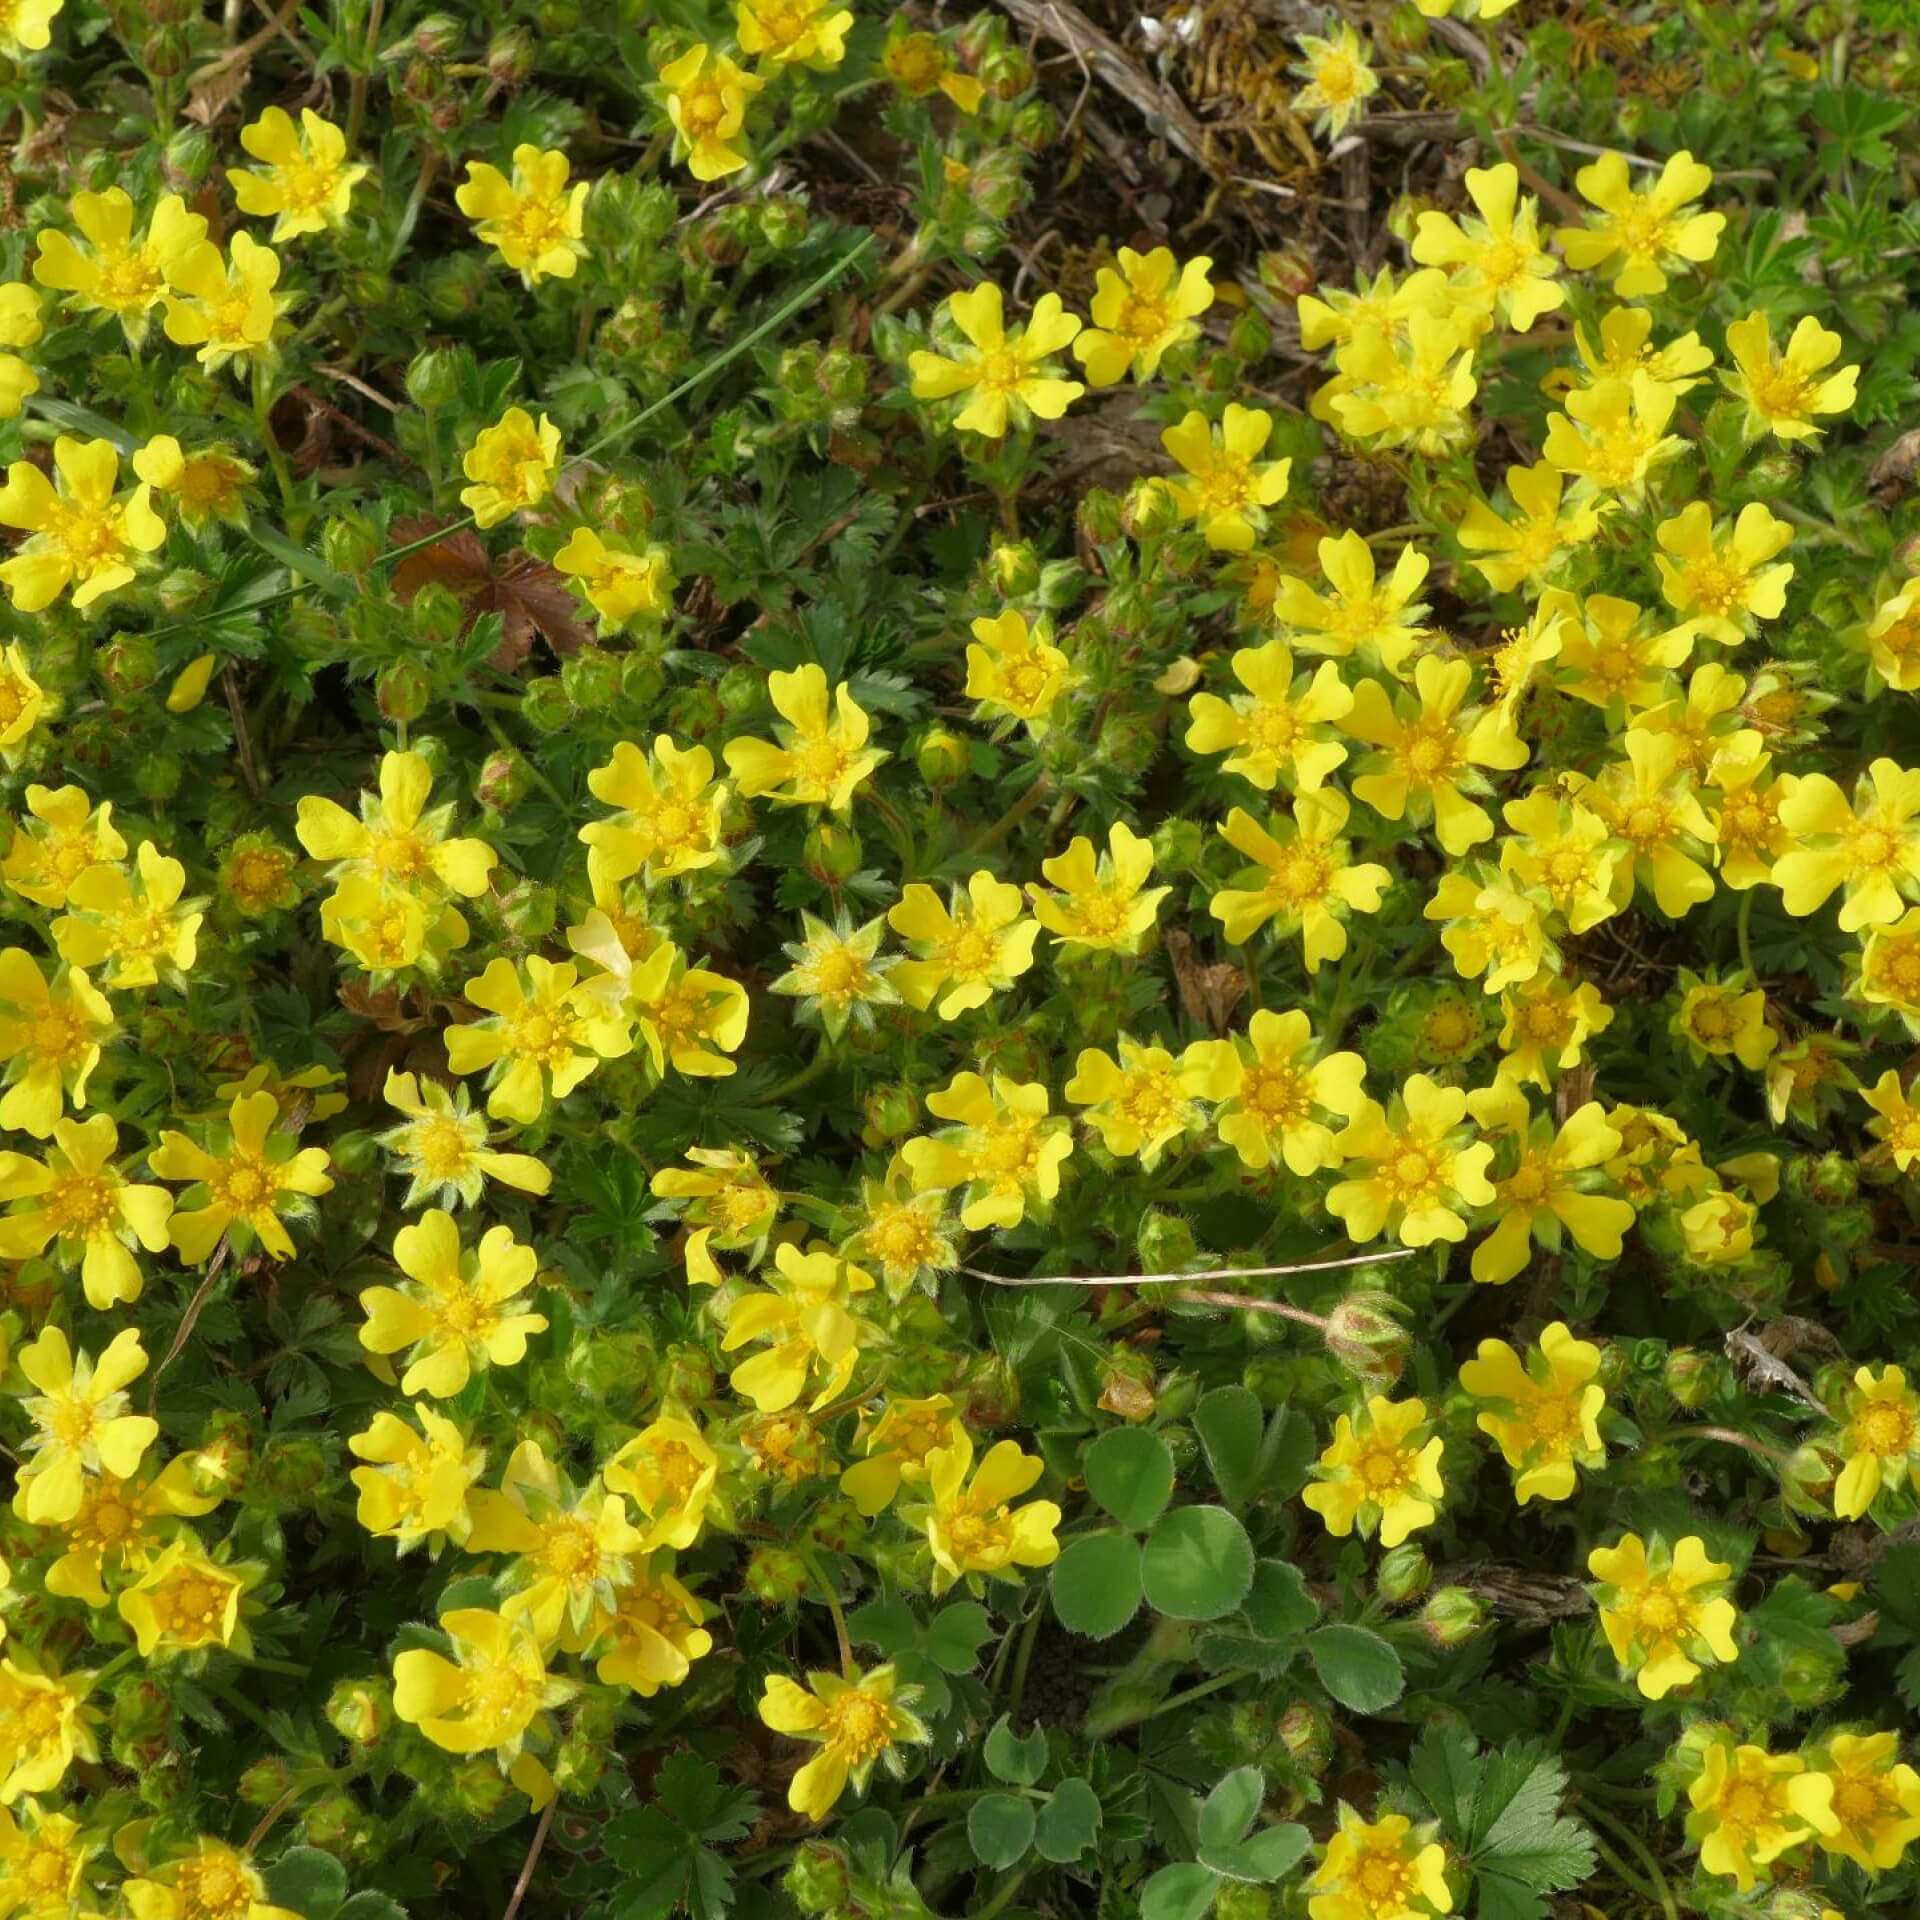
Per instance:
(811,1562)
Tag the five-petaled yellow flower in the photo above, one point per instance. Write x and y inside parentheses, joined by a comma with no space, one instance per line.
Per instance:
(1664,1610)
(1008,377)
(1104,903)
(1385,1869)
(83,537)
(707,96)
(1224,485)
(1497,261)
(973,1526)
(541,1039)
(81,1426)
(113,272)
(226,308)
(1016,672)
(1380,1474)
(1750,1806)
(1150,305)
(1643,235)
(535,221)
(823,757)
(968,950)
(1876,1800)
(1280,728)
(78,1198)
(808,33)
(511,464)
(1543,1411)
(1880,1440)
(260,1176)
(1551,1183)
(1339,79)
(621,586)
(51,1034)
(1783,391)
(1411,1168)
(1302,878)
(1279,1092)
(854,1719)
(307,182)
(1002,1148)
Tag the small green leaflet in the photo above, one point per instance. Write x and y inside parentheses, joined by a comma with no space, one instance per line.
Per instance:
(666,1850)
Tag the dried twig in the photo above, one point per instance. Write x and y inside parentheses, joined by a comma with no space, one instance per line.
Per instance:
(521,1885)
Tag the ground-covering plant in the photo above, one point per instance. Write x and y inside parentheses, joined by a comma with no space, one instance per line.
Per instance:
(959,965)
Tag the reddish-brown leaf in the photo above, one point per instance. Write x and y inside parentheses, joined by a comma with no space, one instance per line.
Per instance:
(529,596)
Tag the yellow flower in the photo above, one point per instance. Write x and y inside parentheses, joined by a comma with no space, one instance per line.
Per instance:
(1748,837)
(1427,754)
(793,32)
(511,464)
(1378,308)
(1626,347)
(226,308)
(50,1038)
(119,1522)
(1278,729)
(1889,965)
(621,586)
(838,972)
(1721,579)
(1719,1229)
(1412,1167)
(901,1232)
(1142,1102)
(534,221)
(668,1471)
(1491,928)
(81,1423)
(1497,261)
(307,185)
(84,537)
(1007,376)
(1339,79)
(1612,437)
(462,1309)
(1652,233)
(854,1721)
(205,485)
(707,96)
(1360,616)
(1876,1800)
(1648,801)
(214,1882)
(398,849)
(20,326)
(86,1204)
(1381,1472)
(1609,658)
(1014,673)
(1226,486)
(1103,905)
(976,1528)
(1512,670)
(65,836)
(1893,638)
(1529,548)
(919,65)
(572,1549)
(45,1726)
(1716,1018)
(733,1206)
(114,273)
(1549,1187)
(26,26)
(487,1698)
(414,1486)
(1307,883)
(1141,313)
(688,1017)
(542,1040)
(1407,391)
(43,1864)
(142,933)
(1783,391)
(1383,1869)
(248,1189)
(805,1319)
(1002,1148)
(442,1146)
(1546,1028)
(823,756)
(1871,849)
(969,950)
(671,817)
(23,701)
(898,1446)
(1664,1613)
(1880,1441)
(653,1623)
(1750,1806)
(1542,1412)
(183,1602)
(1275,1097)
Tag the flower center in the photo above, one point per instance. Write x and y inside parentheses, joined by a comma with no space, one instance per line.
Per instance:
(244,1184)
(860,1725)
(1884,1429)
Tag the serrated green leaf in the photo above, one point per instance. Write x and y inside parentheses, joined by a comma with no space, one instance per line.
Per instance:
(1069,1823)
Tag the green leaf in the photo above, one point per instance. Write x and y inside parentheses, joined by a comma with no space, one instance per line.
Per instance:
(1129,1472)
(1182,1892)
(1069,1823)
(1231,1808)
(297,559)
(1446,1769)
(1263,1857)
(1019,1760)
(1523,1833)
(1096,1584)
(1000,1828)
(1278,1604)
(653,1858)
(1198,1564)
(369,1905)
(71,418)
(955,1636)
(309,1881)
(1231,1429)
(1357,1667)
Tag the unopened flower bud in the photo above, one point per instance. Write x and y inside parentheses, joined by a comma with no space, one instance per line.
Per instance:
(816,1881)
(360,1711)
(685,1375)
(128,663)
(1695,1378)
(1100,516)
(831,852)
(433,378)
(403,690)
(1307,1735)
(1149,508)
(592,679)
(504,780)
(544,704)
(775,1576)
(1452,1617)
(1365,1334)
(892,1112)
(1165,1242)
(510,56)
(529,912)
(941,757)
(1405,1574)
(438,36)
(265,1781)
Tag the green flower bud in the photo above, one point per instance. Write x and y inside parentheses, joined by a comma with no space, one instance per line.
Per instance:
(1014,568)
(990,1392)
(179,589)
(1452,1617)
(1165,1242)
(265,1781)
(941,757)
(403,690)
(1238,1900)
(529,912)
(292,1468)
(642,680)
(510,56)
(436,614)
(349,543)
(1771,474)
(1407,30)
(1149,508)
(1405,1574)
(142,1708)
(1100,516)
(158,776)
(544,704)
(1036,126)
(360,1711)
(579,1763)
(741,690)
(438,37)
(1695,1378)
(1307,1735)
(478,1789)
(685,1375)
(1365,1334)
(189,154)
(592,679)
(783,223)
(128,663)
(892,1112)
(1007,72)
(816,1881)
(339,1824)
(775,1576)
(504,780)
(1179,845)
(831,852)
(433,378)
